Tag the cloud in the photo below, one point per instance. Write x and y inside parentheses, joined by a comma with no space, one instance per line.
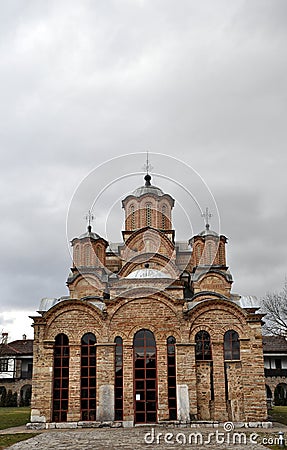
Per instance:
(82,82)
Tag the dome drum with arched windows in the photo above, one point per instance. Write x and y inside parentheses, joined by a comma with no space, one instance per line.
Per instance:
(150,331)
(148,206)
(89,250)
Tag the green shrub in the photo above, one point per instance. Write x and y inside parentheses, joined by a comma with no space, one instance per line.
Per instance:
(11,399)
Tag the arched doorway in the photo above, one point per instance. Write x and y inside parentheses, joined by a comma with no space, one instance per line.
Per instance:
(145,377)
(3,394)
(280,394)
(25,395)
(88,377)
(268,396)
(61,378)
(268,392)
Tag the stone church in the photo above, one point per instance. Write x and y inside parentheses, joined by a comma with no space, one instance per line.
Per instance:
(150,331)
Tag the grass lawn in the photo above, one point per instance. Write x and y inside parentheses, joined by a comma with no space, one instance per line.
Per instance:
(14,417)
(9,439)
(278,414)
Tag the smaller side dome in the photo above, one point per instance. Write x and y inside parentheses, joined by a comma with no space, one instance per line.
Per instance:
(208,232)
(90,234)
(89,250)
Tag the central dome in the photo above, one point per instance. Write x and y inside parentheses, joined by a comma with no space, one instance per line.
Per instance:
(148,188)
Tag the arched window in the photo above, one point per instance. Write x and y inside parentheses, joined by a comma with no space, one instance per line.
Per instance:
(118,378)
(221,254)
(148,214)
(98,255)
(198,253)
(3,394)
(268,392)
(280,394)
(87,255)
(61,378)
(231,345)
(209,253)
(171,378)
(88,377)
(25,395)
(132,214)
(77,255)
(145,385)
(163,217)
(202,346)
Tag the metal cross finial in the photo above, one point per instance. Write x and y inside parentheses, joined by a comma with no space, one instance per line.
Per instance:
(89,218)
(207,215)
(147,167)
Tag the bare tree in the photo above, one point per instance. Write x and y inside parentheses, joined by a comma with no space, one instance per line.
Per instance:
(274,305)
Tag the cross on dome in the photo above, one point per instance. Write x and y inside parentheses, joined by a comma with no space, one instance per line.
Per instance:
(89,218)
(207,215)
(147,167)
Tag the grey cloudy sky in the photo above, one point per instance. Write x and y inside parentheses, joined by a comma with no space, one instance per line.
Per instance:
(85,81)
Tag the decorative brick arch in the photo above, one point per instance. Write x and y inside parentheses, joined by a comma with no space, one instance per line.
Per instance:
(160,262)
(198,328)
(213,280)
(223,307)
(234,327)
(80,314)
(92,280)
(116,333)
(138,237)
(160,297)
(131,315)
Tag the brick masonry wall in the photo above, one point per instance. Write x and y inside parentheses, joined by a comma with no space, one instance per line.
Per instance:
(163,316)
(235,406)
(203,390)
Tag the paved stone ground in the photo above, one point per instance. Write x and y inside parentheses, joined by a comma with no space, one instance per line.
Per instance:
(135,439)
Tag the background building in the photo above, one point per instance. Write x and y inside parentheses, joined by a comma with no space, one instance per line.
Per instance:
(275,368)
(150,331)
(16,361)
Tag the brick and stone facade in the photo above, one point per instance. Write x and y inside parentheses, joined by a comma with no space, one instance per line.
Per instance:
(140,293)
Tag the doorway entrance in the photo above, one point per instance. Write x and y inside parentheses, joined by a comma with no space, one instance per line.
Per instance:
(145,377)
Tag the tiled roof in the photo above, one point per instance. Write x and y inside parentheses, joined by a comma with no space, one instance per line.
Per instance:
(19,347)
(274,344)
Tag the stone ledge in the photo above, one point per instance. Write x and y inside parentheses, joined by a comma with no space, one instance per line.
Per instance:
(84,424)
(36,426)
(130,424)
(63,425)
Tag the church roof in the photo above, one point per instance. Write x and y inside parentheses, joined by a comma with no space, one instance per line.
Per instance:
(19,347)
(208,232)
(88,234)
(142,190)
(148,188)
(274,344)
(91,235)
(147,273)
